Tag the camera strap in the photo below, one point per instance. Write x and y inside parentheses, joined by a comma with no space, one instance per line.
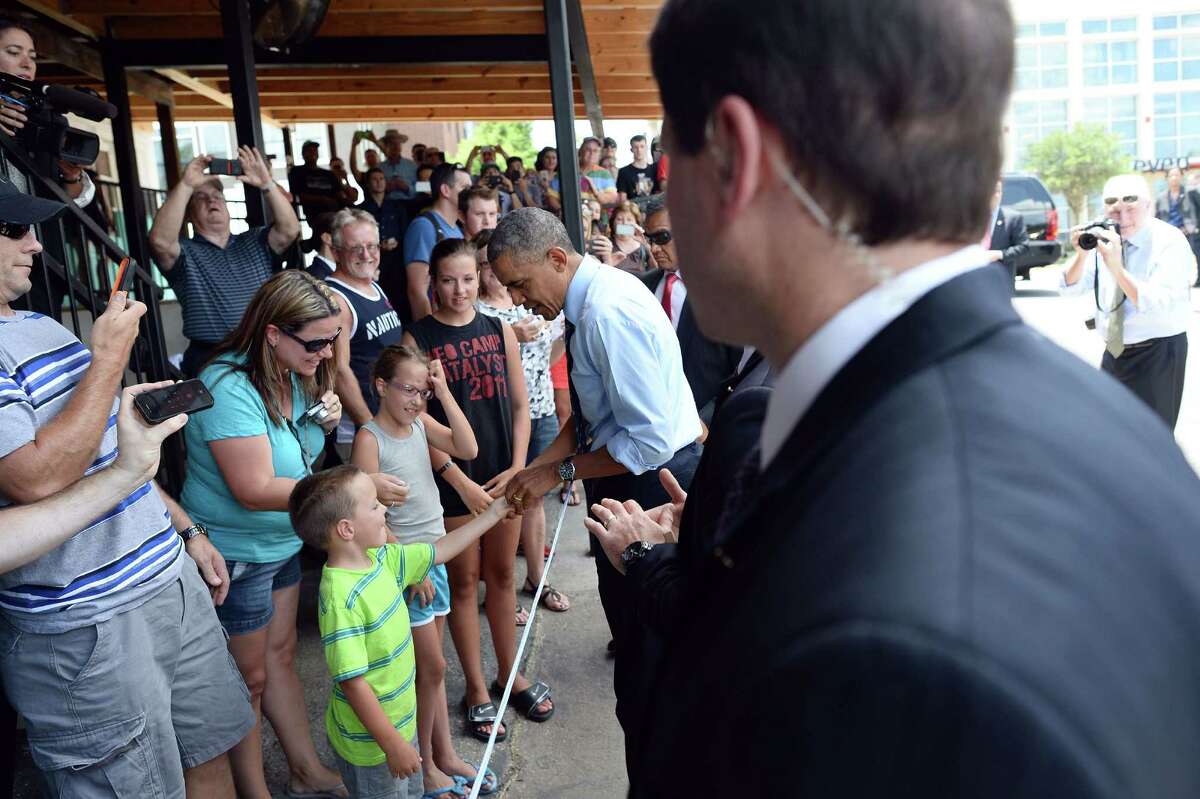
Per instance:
(1096,280)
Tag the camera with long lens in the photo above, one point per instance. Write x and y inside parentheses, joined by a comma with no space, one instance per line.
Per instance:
(1088,241)
(47,135)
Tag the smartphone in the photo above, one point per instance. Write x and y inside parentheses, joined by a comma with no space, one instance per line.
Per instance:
(423,187)
(125,274)
(161,404)
(225,166)
(625,230)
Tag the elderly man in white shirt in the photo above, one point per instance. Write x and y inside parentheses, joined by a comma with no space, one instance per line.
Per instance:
(1142,294)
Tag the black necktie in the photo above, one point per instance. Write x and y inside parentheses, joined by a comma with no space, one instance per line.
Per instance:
(581,427)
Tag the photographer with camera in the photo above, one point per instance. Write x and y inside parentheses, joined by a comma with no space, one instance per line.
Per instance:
(215,272)
(18,57)
(1142,292)
(491,177)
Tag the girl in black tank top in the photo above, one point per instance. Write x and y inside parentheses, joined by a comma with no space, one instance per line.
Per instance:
(482,364)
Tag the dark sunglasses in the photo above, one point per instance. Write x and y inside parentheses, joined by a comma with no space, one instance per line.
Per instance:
(313,345)
(1128,199)
(659,237)
(11,230)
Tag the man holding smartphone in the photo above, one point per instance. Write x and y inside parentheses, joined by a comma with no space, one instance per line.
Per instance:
(216,272)
(111,649)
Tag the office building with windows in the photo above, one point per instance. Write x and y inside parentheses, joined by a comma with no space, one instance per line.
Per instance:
(1133,68)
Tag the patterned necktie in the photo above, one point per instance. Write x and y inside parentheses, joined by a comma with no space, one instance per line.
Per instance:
(666,300)
(582,434)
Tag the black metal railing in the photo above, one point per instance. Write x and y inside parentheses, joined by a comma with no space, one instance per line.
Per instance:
(73,277)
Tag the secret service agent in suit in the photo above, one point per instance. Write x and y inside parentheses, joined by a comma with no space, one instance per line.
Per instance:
(1006,239)
(631,410)
(706,363)
(918,587)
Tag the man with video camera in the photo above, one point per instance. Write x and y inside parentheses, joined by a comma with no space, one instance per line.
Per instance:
(1142,292)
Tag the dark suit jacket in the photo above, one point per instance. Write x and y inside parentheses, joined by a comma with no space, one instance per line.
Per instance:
(935,591)
(1190,209)
(1010,236)
(706,363)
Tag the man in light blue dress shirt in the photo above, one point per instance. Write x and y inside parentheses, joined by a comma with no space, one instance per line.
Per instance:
(632,410)
(1142,294)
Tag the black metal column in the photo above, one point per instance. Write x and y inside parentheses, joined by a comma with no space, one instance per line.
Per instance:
(137,223)
(562,97)
(239,55)
(117,89)
(170,146)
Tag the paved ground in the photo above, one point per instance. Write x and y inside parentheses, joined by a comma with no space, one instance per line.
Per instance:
(579,752)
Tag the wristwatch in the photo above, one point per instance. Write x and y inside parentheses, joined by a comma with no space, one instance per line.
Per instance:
(566,470)
(193,531)
(635,552)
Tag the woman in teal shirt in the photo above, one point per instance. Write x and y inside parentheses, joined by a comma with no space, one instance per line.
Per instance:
(244,456)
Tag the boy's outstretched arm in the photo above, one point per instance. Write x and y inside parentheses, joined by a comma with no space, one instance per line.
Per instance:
(455,541)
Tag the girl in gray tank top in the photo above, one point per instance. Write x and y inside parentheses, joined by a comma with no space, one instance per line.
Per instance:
(396,442)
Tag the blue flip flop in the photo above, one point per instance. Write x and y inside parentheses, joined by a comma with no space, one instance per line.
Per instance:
(490,783)
(457,789)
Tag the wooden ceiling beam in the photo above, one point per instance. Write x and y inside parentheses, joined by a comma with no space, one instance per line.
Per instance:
(267,72)
(352,85)
(414,114)
(439,23)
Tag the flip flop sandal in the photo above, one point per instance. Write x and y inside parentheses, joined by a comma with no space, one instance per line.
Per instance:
(479,715)
(526,702)
(490,783)
(549,592)
(457,789)
(522,622)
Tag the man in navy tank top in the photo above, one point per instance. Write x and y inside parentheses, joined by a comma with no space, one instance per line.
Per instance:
(369,323)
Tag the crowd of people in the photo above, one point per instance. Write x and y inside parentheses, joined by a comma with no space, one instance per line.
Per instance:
(821,556)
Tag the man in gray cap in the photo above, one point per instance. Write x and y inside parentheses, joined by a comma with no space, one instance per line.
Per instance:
(111,649)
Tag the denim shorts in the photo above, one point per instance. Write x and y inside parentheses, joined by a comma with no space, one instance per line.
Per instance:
(440,606)
(249,606)
(542,433)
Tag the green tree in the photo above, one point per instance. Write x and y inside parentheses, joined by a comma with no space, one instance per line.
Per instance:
(1076,162)
(515,137)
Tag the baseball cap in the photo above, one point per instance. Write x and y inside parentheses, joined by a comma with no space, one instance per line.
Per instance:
(20,208)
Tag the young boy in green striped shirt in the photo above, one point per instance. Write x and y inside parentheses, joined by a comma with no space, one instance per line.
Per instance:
(371,718)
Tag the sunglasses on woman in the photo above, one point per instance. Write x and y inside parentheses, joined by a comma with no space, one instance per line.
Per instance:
(659,237)
(1128,199)
(12,230)
(313,345)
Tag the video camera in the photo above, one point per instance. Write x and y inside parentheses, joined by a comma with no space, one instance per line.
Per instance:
(1088,241)
(46,134)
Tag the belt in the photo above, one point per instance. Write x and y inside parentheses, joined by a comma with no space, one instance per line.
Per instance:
(1150,342)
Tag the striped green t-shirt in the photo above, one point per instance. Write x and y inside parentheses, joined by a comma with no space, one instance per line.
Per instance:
(365,630)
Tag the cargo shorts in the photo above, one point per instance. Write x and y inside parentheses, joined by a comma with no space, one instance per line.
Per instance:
(121,708)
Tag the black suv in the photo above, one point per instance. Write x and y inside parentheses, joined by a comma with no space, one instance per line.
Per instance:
(1026,195)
